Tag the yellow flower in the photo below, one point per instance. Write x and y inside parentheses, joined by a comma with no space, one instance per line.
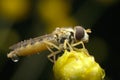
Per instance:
(77,65)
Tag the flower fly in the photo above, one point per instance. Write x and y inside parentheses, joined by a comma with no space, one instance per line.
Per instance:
(60,39)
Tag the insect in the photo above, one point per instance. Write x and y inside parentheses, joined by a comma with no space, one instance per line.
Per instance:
(59,39)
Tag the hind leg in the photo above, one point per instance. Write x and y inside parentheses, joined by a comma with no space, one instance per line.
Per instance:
(52,55)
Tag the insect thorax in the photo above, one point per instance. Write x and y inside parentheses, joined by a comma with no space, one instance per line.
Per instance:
(62,34)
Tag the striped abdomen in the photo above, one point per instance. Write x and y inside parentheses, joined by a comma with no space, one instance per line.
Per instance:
(29,47)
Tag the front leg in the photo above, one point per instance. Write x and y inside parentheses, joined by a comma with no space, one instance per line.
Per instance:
(78,43)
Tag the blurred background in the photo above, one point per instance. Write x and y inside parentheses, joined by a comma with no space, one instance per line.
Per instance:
(25,19)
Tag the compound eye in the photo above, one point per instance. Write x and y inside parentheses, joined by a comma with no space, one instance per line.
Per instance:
(79,32)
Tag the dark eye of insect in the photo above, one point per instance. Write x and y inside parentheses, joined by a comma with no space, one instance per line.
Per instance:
(79,33)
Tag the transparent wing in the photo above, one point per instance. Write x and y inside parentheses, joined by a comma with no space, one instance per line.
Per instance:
(48,37)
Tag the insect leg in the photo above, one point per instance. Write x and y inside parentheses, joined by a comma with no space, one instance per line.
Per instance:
(67,43)
(78,43)
(51,44)
(53,53)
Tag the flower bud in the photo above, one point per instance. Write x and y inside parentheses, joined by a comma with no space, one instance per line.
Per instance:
(77,65)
